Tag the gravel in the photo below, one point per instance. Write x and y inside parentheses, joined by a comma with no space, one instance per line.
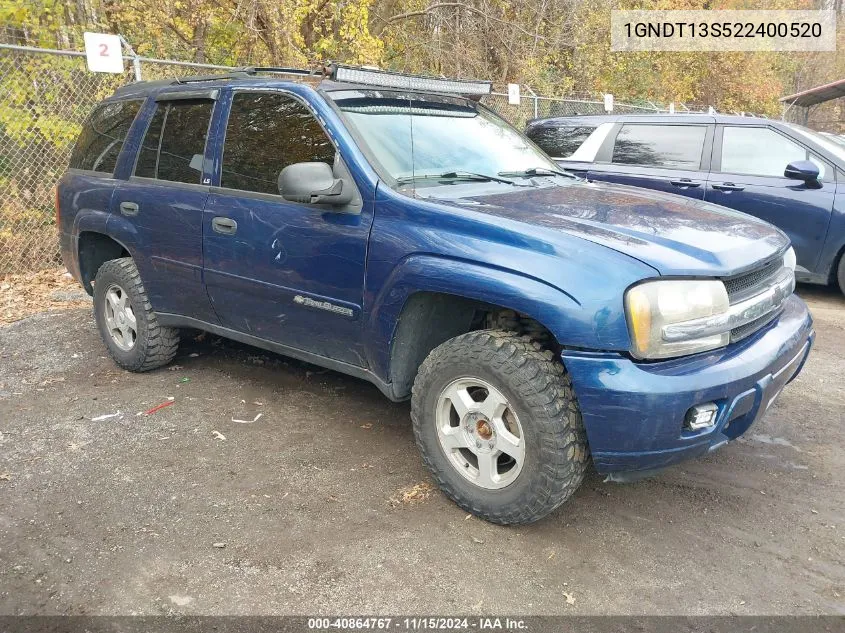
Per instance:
(307,508)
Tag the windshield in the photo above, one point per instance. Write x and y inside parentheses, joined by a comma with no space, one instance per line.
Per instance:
(831,146)
(413,137)
(833,137)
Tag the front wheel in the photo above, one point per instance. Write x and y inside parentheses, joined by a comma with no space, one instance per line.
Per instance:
(497,423)
(840,275)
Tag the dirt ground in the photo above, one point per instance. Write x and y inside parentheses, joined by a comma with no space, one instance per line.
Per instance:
(322,505)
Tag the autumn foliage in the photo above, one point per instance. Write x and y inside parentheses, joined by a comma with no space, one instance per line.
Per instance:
(554,46)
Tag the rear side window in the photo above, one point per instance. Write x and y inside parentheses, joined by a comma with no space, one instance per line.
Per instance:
(672,146)
(101,140)
(267,132)
(174,144)
(560,142)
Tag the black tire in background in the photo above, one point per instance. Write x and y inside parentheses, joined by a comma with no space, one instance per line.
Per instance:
(538,390)
(840,274)
(152,345)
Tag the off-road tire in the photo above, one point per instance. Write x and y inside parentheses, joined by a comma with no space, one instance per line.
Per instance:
(840,274)
(540,391)
(155,345)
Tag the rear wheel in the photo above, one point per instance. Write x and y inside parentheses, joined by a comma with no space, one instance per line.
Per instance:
(125,318)
(497,423)
(840,275)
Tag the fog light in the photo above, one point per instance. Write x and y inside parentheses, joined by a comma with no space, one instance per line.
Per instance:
(701,416)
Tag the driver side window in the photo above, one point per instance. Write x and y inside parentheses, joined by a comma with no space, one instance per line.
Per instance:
(756,151)
(265,133)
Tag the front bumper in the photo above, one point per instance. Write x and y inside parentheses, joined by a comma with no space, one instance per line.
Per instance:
(634,412)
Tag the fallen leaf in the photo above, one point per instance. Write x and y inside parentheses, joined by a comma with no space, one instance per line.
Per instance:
(24,294)
(412,494)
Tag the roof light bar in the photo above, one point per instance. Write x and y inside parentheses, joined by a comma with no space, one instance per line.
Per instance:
(387,79)
(452,114)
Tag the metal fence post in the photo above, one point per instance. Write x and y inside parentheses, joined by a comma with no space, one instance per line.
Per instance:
(136,61)
(536,100)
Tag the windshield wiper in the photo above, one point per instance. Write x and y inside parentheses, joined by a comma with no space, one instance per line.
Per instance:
(458,175)
(537,171)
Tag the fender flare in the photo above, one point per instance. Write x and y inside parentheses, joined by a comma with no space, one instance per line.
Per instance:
(124,233)
(572,323)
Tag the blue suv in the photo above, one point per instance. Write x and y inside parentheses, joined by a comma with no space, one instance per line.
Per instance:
(783,173)
(389,227)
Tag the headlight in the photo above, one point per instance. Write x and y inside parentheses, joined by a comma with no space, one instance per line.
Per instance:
(653,305)
(789,259)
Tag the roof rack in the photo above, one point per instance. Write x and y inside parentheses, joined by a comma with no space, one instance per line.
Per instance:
(281,70)
(236,74)
(247,72)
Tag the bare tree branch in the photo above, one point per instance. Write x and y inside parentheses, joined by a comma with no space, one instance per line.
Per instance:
(441,5)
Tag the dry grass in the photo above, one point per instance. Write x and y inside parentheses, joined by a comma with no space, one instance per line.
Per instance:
(26,294)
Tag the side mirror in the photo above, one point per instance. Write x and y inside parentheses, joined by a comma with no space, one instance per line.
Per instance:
(313,183)
(802,170)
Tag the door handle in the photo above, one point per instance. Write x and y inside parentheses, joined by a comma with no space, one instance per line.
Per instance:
(728,186)
(128,208)
(685,182)
(224,226)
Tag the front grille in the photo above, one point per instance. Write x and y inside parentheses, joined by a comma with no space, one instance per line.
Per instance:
(741,287)
(744,331)
(748,285)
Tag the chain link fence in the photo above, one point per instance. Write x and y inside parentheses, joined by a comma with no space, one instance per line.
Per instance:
(45,96)
(536,107)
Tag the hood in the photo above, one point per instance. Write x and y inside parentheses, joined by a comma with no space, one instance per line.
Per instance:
(671,233)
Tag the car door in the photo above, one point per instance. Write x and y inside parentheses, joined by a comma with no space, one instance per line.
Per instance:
(747,175)
(671,157)
(162,203)
(283,271)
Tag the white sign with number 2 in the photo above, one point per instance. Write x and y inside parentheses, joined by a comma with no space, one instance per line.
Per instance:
(103,53)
